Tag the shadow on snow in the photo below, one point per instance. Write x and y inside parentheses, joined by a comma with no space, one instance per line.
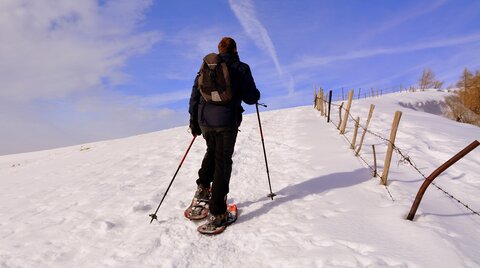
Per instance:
(309,187)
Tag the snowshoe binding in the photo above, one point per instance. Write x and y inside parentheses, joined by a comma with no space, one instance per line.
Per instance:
(199,209)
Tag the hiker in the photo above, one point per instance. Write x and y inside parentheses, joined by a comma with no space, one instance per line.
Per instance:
(218,119)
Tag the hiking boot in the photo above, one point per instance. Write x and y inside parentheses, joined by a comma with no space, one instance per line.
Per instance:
(202,193)
(217,220)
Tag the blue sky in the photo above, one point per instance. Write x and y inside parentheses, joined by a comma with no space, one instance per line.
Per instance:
(78,71)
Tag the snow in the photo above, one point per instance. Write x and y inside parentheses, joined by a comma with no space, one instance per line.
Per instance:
(88,206)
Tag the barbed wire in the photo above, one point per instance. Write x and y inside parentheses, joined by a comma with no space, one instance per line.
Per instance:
(364,161)
(404,157)
(369,91)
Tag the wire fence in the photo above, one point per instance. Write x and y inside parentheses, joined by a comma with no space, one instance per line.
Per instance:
(402,155)
(363,93)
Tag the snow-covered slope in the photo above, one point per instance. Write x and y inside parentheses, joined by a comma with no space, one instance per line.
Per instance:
(88,206)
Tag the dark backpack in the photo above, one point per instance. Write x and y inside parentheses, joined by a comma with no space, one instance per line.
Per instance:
(214,80)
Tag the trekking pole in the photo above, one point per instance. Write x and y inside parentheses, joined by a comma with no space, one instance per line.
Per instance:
(154,215)
(271,195)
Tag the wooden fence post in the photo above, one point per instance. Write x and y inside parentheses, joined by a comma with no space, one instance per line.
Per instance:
(374,161)
(320,93)
(359,91)
(325,105)
(357,122)
(388,157)
(370,113)
(329,105)
(347,112)
(318,101)
(315,98)
(340,115)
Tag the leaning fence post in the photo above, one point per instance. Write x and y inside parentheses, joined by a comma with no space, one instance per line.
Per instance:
(329,105)
(437,172)
(357,122)
(370,113)
(347,112)
(388,157)
(340,115)
(374,161)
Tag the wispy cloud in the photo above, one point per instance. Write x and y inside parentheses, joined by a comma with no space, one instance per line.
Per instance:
(319,61)
(162,99)
(245,12)
(54,48)
(196,42)
(189,45)
(402,17)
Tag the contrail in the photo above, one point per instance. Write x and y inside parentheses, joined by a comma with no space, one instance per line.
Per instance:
(245,13)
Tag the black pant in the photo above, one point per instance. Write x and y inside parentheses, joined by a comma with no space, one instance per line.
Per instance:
(217,165)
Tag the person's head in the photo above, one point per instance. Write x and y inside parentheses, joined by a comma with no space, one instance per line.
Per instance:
(227,45)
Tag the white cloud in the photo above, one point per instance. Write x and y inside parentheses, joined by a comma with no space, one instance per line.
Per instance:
(48,124)
(60,61)
(54,48)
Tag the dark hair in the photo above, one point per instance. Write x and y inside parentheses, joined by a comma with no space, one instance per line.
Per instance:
(227,45)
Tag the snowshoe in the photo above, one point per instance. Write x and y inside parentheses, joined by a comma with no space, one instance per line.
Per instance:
(218,224)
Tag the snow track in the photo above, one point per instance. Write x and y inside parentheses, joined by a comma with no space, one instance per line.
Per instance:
(89,208)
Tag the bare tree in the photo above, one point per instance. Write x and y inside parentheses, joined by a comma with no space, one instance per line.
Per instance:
(437,84)
(457,111)
(428,80)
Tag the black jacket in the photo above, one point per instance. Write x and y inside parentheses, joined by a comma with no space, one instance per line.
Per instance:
(226,115)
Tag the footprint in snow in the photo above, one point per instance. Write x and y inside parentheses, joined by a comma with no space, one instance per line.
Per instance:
(107,225)
(141,206)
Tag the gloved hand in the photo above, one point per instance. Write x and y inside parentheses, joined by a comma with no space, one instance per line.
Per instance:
(195,128)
